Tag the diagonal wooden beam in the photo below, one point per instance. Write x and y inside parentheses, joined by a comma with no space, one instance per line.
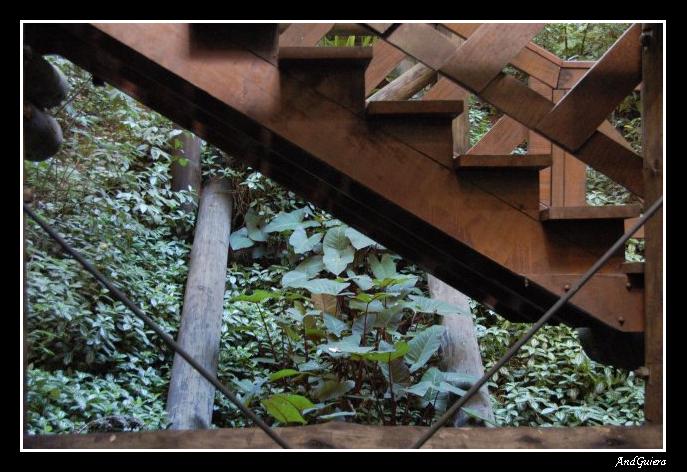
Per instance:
(577,116)
(518,101)
(533,60)
(304,34)
(488,50)
(501,138)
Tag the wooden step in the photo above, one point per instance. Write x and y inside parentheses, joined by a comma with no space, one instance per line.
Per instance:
(424,125)
(323,55)
(408,108)
(338,73)
(633,267)
(511,161)
(606,212)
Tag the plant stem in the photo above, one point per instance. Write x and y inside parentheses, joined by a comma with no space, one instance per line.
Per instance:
(393,397)
(269,336)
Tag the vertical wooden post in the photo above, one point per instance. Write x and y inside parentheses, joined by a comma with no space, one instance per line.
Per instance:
(537,144)
(652,146)
(190,397)
(186,146)
(460,350)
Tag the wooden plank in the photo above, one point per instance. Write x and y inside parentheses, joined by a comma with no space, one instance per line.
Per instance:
(404,108)
(384,59)
(527,161)
(523,104)
(652,145)
(304,34)
(472,238)
(487,51)
(358,54)
(502,138)
(605,212)
(340,435)
(586,106)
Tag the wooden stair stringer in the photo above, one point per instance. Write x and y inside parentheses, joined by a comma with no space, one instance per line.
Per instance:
(470,239)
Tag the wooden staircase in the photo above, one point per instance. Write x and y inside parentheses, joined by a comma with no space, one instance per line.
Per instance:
(389,168)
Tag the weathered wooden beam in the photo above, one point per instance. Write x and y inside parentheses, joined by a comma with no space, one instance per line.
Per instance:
(191,396)
(406,85)
(489,246)
(652,145)
(339,435)
(460,351)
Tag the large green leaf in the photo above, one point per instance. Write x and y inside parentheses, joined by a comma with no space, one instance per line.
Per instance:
(287,408)
(399,371)
(255,224)
(386,352)
(283,373)
(300,241)
(239,239)
(334,325)
(338,252)
(389,318)
(384,269)
(332,389)
(256,297)
(429,305)
(330,287)
(289,222)
(307,269)
(347,345)
(358,239)
(423,346)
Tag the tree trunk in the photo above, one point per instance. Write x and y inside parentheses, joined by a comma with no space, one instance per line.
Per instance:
(190,398)
(460,351)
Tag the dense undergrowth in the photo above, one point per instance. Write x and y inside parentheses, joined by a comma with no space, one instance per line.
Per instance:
(315,313)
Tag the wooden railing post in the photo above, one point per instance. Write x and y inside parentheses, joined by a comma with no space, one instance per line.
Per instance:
(652,146)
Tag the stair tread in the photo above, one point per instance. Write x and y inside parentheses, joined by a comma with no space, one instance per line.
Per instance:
(434,108)
(481,161)
(355,55)
(633,267)
(605,212)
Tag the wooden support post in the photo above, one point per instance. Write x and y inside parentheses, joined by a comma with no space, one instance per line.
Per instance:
(652,145)
(186,170)
(190,398)
(460,350)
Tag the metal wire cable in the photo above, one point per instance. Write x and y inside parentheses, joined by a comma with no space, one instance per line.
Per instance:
(209,376)
(535,327)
